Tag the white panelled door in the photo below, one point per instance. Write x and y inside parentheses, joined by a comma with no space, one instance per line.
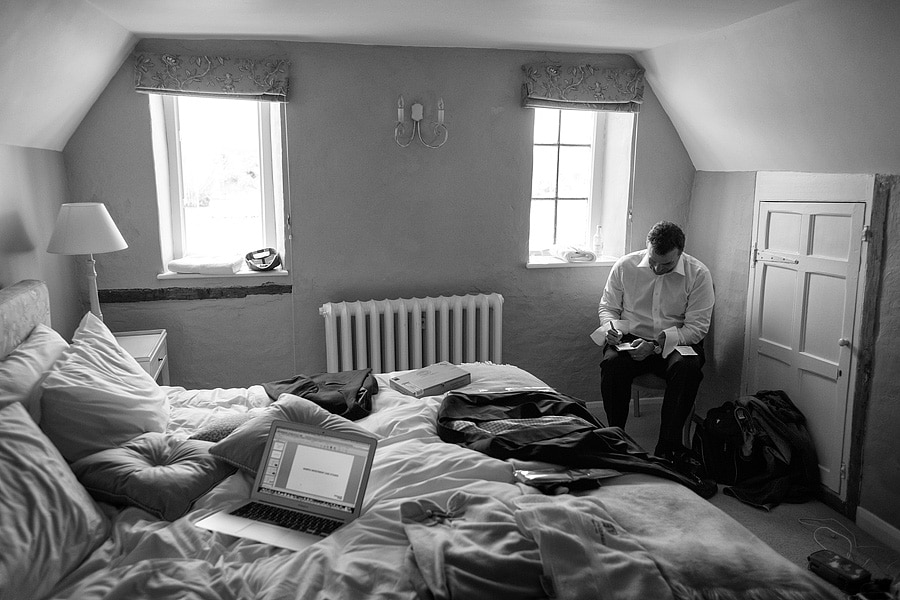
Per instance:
(804,293)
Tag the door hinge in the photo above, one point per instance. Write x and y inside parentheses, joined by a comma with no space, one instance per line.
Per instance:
(843,470)
(771,257)
(867,234)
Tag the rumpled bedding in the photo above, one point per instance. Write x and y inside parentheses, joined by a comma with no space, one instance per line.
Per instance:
(692,544)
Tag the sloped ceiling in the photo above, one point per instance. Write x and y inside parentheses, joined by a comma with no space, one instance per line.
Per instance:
(812,86)
(582,25)
(56,57)
(749,84)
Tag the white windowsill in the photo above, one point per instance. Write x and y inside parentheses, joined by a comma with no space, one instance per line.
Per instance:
(551,262)
(242,274)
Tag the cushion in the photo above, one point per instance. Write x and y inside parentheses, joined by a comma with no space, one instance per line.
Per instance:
(48,522)
(23,369)
(220,428)
(244,447)
(159,473)
(97,396)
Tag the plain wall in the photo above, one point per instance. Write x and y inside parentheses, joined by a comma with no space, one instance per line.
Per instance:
(719,232)
(371,219)
(32,188)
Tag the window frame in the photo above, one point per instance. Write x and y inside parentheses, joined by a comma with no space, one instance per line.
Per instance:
(274,201)
(611,169)
(558,146)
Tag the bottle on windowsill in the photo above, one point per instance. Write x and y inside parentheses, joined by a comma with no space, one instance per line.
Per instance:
(597,245)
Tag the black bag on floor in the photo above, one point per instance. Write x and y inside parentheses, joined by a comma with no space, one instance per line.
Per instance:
(723,443)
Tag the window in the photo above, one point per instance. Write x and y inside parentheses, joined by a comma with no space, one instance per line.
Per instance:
(219,175)
(581,179)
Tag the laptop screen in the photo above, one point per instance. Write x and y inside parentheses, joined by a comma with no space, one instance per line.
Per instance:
(314,468)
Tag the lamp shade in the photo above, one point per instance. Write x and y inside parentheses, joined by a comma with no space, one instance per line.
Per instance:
(85,228)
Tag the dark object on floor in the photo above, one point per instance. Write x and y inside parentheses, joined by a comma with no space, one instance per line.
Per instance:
(776,462)
(723,444)
(839,571)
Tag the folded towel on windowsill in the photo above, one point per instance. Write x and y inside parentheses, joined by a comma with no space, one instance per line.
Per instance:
(572,254)
(206,265)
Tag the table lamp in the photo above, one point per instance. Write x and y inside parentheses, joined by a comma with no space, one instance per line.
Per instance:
(86,228)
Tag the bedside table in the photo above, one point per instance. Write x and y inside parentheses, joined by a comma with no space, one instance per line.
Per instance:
(149,349)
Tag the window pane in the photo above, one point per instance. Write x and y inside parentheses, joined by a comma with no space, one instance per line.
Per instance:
(541,225)
(575,171)
(220,176)
(577,127)
(546,126)
(572,222)
(543,178)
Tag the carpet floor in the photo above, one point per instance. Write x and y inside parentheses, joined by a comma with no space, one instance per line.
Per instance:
(793,530)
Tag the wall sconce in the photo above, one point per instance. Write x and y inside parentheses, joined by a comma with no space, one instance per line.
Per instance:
(415,113)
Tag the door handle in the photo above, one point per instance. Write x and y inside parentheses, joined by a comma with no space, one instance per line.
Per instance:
(843,342)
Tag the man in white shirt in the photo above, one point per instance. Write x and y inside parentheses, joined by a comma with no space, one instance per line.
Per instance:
(654,300)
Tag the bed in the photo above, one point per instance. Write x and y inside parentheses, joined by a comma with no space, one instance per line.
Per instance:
(100,498)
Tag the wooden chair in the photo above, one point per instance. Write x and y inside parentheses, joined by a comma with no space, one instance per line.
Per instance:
(650,385)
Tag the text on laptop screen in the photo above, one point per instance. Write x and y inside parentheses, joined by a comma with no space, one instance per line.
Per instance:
(316,469)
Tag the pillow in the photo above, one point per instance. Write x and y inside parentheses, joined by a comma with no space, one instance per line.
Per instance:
(220,428)
(23,369)
(245,446)
(159,473)
(48,522)
(97,396)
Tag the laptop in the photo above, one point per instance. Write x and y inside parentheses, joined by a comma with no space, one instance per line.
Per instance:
(310,481)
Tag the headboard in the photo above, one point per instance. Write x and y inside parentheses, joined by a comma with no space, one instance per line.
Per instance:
(22,306)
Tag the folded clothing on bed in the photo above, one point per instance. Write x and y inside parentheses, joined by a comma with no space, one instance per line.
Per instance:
(206,265)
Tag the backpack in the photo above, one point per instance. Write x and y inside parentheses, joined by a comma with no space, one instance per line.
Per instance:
(723,444)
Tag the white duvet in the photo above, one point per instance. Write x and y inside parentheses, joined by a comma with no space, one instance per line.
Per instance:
(146,558)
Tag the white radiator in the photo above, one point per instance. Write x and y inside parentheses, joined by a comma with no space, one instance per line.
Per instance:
(410,333)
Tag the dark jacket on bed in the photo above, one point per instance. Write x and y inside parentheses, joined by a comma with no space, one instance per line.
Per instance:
(346,393)
(559,430)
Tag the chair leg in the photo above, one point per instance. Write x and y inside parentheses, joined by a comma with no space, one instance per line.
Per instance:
(686,438)
(636,400)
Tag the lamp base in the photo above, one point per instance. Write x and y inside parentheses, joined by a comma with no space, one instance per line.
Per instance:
(92,287)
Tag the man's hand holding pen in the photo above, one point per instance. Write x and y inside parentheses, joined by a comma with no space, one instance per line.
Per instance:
(613,336)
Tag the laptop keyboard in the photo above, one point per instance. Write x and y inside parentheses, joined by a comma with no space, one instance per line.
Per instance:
(291,519)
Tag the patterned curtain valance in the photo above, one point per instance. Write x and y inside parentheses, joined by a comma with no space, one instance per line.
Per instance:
(265,79)
(585,87)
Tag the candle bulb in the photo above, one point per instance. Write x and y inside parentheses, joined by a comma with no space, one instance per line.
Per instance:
(441,111)
(400,110)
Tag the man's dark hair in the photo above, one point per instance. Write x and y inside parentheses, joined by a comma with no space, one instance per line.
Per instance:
(665,237)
